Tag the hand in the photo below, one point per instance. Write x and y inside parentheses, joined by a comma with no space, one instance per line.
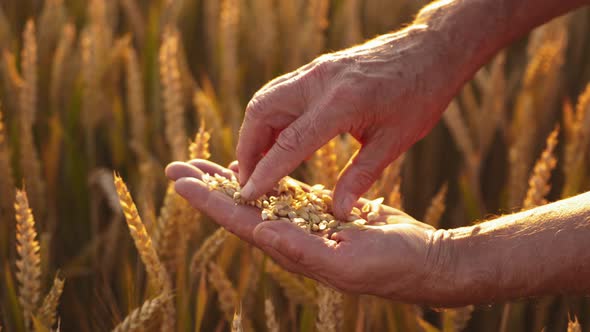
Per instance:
(388,93)
(400,260)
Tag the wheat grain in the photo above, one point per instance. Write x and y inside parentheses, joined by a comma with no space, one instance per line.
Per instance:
(29,260)
(437,207)
(539,185)
(139,318)
(47,312)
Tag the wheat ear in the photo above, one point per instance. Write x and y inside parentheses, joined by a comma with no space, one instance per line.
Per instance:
(139,318)
(272,325)
(29,260)
(172,94)
(539,185)
(437,207)
(47,312)
(293,287)
(574,325)
(227,295)
(155,270)
(329,309)
(208,249)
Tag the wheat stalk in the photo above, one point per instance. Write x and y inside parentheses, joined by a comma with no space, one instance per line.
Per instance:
(539,185)
(47,312)
(29,260)
(6,180)
(437,207)
(139,318)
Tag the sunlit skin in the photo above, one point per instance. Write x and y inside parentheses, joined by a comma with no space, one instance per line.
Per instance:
(388,93)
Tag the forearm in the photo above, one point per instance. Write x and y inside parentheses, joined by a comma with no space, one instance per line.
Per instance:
(536,252)
(475,30)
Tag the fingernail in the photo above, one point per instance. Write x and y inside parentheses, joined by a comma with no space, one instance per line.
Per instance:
(268,237)
(248,190)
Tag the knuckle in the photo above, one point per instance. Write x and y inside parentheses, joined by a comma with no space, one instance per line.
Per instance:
(256,108)
(290,139)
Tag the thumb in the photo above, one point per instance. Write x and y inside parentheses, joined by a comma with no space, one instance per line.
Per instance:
(363,169)
(294,248)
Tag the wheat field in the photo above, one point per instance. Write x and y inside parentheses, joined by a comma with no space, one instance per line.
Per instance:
(97,96)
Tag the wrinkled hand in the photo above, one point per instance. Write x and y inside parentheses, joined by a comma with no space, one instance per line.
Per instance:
(388,93)
(397,261)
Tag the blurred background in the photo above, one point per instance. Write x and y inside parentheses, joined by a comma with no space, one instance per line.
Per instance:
(92,87)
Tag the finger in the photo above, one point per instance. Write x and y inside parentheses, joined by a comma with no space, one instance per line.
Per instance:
(271,109)
(307,253)
(360,173)
(210,167)
(304,136)
(238,219)
(177,170)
